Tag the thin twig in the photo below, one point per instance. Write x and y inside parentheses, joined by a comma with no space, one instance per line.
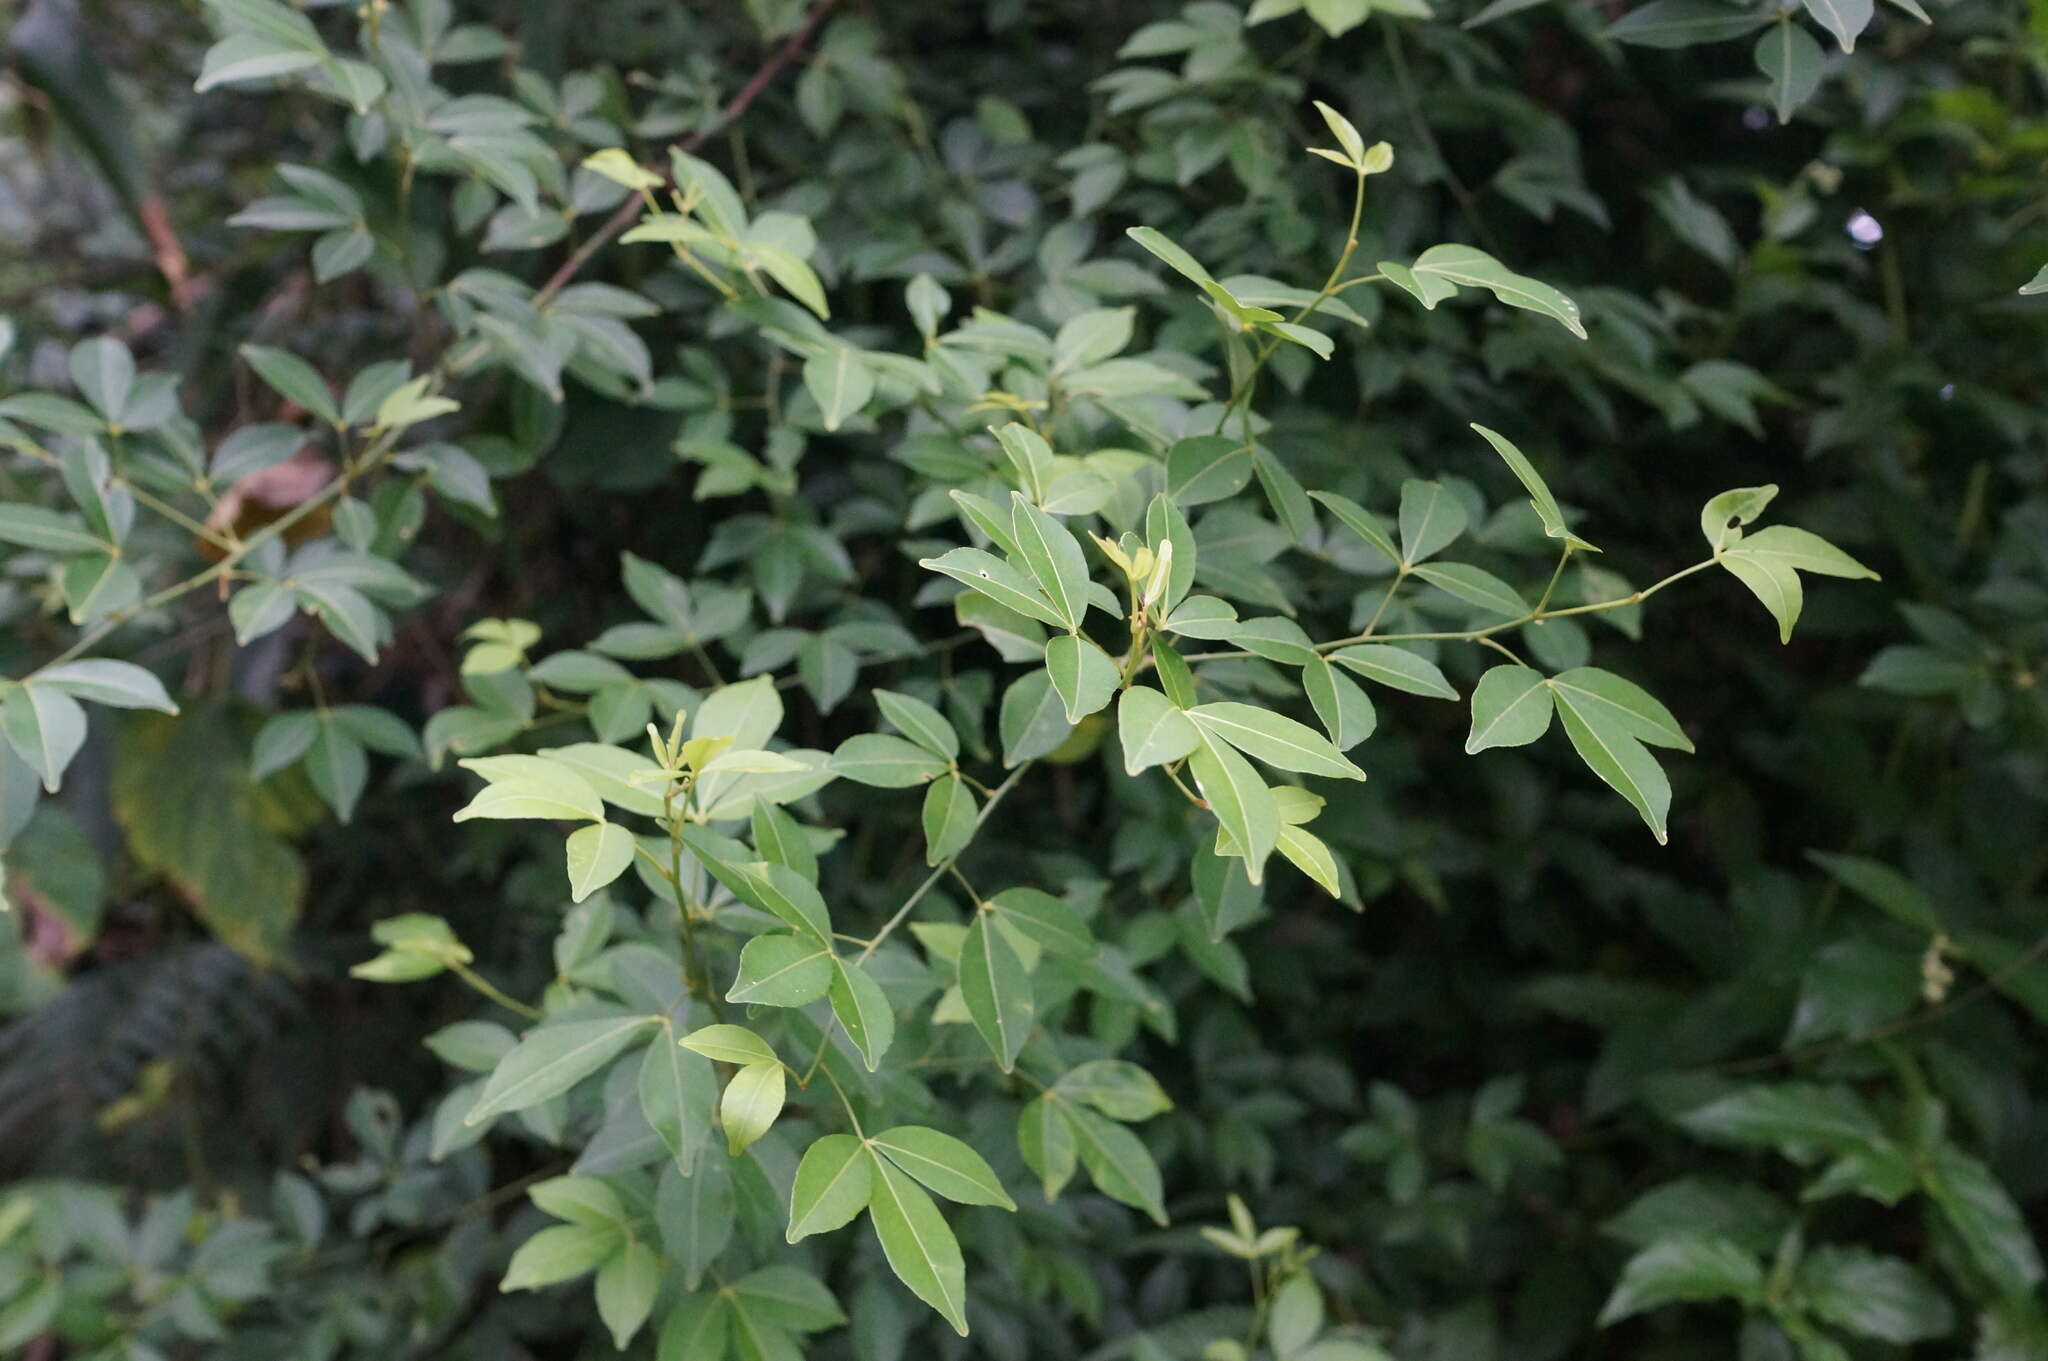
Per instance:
(734,109)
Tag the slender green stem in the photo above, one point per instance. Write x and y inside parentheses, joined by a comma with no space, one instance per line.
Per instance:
(492,991)
(917,894)
(1400,575)
(1555,576)
(92,636)
(696,976)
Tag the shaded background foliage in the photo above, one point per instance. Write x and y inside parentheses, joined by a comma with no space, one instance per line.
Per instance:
(1502,1089)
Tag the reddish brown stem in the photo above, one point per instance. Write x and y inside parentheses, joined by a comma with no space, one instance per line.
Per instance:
(781,57)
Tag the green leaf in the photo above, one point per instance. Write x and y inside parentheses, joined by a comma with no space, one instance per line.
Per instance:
(729,1044)
(781,971)
(919,722)
(1846,19)
(753,1098)
(1032,457)
(1790,61)
(1475,586)
(1861,1292)
(1622,704)
(251,56)
(1240,800)
(1683,1268)
(1296,1316)
(1118,1162)
(1685,23)
(1431,518)
(120,685)
(918,1242)
(1207,468)
(1539,491)
(696,1330)
(1344,710)
(788,895)
(559,1254)
(1082,673)
(1608,746)
(833,1184)
(1985,1217)
(1796,548)
(996,579)
(949,819)
(943,1164)
(597,855)
(1775,584)
(677,1091)
(1448,265)
(782,841)
(1280,742)
(885,762)
(1307,853)
(840,383)
(1511,707)
(1359,521)
(1046,1141)
(543,789)
(1396,668)
(1176,259)
(863,1009)
(36,527)
(1786,1115)
(294,379)
(626,1287)
(695,1214)
(1046,920)
(1120,1090)
(1722,517)
(550,1059)
(46,728)
(1154,732)
(996,990)
(1054,558)
(1033,720)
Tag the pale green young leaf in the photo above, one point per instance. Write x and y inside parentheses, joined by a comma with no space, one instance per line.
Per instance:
(833,1184)
(1798,549)
(1176,259)
(996,990)
(918,1242)
(559,1254)
(1722,518)
(1511,707)
(753,1098)
(729,1044)
(1458,264)
(1307,852)
(1775,584)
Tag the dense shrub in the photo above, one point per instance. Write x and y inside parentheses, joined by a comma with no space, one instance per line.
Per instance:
(1150,647)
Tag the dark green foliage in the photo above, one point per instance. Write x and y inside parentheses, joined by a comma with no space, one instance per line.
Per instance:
(965,654)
